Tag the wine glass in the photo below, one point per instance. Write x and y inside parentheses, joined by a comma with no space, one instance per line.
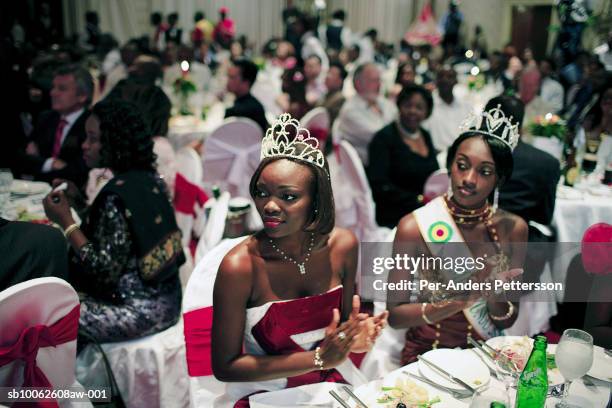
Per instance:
(574,358)
(506,369)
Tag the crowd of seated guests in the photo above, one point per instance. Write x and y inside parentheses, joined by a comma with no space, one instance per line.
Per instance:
(67,125)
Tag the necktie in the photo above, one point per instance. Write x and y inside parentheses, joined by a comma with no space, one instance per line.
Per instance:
(59,132)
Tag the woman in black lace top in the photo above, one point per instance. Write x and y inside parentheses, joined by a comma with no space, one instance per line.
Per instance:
(126,254)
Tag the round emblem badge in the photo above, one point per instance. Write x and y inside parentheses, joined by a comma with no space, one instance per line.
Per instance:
(440,232)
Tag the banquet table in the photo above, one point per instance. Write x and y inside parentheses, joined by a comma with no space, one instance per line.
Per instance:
(576,209)
(186,129)
(26,200)
(317,395)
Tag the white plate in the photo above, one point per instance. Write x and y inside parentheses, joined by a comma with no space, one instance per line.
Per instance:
(369,393)
(602,365)
(24,187)
(463,364)
(554,375)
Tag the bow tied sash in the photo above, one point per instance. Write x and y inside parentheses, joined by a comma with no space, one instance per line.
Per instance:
(31,340)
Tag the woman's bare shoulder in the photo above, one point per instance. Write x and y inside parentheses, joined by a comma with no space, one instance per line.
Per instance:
(239,260)
(342,239)
(408,229)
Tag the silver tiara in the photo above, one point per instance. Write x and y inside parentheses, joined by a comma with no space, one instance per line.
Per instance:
(286,138)
(495,124)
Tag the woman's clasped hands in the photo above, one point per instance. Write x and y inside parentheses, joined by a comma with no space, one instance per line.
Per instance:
(355,335)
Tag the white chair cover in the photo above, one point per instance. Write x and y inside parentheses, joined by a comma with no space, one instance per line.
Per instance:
(231,154)
(41,301)
(150,372)
(199,295)
(189,164)
(353,195)
(436,184)
(316,118)
(215,226)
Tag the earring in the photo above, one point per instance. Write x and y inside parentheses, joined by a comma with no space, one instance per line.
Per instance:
(449,192)
(495,199)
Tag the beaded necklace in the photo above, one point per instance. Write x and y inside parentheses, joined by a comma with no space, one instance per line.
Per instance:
(465,217)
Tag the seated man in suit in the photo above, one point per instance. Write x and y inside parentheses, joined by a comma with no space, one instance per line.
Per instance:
(531,190)
(240,78)
(30,251)
(54,150)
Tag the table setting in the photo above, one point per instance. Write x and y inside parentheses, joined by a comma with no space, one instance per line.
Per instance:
(468,378)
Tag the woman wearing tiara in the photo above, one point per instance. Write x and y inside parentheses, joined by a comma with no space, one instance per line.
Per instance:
(284,310)
(479,161)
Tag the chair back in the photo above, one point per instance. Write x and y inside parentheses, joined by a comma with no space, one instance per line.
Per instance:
(189,164)
(214,226)
(436,185)
(231,155)
(355,185)
(197,317)
(24,309)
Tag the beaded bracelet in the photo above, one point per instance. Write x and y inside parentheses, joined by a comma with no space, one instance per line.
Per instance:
(506,316)
(423,305)
(318,362)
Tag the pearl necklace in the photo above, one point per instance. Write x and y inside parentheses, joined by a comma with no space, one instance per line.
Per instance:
(301,265)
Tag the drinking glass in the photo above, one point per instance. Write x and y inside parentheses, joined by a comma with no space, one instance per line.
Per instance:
(574,358)
(6,179)
(506,368)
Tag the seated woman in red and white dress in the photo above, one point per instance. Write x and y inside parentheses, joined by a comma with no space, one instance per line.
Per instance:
(284,310)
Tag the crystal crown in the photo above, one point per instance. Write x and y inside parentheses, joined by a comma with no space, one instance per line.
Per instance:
(495,124)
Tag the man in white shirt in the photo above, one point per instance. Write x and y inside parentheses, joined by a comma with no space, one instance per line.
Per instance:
(366,112)
(54,150)
(448,112)
(315,77)
(551,91)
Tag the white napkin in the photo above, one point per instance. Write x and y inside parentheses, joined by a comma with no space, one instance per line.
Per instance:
(312,395)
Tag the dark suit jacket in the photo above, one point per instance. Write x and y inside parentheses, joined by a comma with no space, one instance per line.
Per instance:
(71,153)
(248,106)
(531,191)
(31,251)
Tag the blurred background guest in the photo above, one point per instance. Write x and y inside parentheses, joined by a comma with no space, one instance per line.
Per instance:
(403,157)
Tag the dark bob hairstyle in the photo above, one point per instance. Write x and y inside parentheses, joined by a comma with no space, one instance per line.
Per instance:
(124,136)
(322,213)
(410,90)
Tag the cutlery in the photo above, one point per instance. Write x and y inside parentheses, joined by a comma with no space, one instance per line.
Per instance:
(447,374)
(340,400)
(497,354)
(454,393)
(356,398)
(485,352)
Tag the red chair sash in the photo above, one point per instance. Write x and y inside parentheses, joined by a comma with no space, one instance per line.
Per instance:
(197,331)
(31,340)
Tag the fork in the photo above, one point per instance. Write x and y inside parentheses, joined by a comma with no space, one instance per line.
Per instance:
(455,394)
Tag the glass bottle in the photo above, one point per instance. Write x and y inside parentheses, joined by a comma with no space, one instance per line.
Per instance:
(533,382)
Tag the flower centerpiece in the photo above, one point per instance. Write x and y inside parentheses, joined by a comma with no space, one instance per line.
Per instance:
(476,80)
(183,88)
(549,133)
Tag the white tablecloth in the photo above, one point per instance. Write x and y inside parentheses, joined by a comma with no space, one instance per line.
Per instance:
(575,211)
(186,129)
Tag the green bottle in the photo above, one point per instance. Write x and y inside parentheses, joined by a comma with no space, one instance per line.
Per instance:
(533,382)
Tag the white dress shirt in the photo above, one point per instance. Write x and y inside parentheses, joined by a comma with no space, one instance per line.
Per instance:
(358,122)
(70,119)
(552,93)
(445,121)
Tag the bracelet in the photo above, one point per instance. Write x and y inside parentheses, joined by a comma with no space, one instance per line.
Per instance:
(71,228)
(423,305)
(318,362)
(506,316)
